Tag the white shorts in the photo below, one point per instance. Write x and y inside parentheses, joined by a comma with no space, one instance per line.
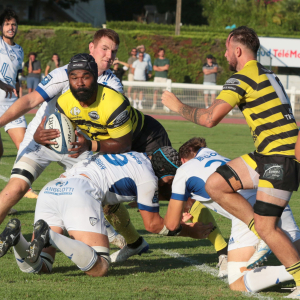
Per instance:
(130,77)
(18,123)
(70,203)
(209,91)
(241,236)
(33,158)
(160,79)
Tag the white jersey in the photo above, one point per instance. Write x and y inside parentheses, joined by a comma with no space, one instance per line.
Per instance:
(11,58)
(122,178)
(55,84)
(191,177)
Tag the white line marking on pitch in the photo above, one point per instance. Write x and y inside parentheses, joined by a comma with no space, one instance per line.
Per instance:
(207,269)
(4,178)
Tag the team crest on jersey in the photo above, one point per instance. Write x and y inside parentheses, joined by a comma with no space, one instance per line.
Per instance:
(233,81)
(122,118)
(93,221)
(75,111)
(61,183)
(93,115)
(46,80)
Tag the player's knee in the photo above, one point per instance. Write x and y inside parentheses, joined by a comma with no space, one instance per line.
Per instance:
(100,268)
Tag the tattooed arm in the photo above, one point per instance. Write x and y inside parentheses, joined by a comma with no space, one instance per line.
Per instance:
(208,117)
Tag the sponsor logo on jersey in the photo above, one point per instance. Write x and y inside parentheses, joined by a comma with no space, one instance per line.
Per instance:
(75,111)
(93,221)
(58,191)
(46,80)
(61,183)
(122,118)
(273,171)
(93,115)
(233,81)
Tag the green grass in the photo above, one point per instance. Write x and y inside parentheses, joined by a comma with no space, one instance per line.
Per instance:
(155,275)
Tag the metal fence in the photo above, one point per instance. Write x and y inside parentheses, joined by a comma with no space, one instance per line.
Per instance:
(191,94)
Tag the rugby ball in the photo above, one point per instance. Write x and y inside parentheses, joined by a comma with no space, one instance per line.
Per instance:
(67,132)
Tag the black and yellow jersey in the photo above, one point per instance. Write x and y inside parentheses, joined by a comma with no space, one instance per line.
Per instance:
(110,116)
(262,99)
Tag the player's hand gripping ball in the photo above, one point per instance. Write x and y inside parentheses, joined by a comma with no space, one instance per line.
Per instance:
(67,132)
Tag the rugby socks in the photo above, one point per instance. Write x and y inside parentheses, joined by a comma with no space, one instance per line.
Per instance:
(111,233)
(294,270)
(265,277)
(21,257)
(252,228)
(118,216)
(202,214)
(80,253)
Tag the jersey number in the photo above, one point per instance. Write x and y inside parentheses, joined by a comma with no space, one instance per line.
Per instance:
(115,160)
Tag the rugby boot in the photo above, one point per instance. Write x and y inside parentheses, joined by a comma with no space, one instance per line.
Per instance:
(41,240)
(222,265)
(123,254)
(262,251)
(10,236)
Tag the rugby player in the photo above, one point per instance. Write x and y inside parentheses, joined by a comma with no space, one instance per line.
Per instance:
(198,163)
(272,168)
(11,58)
(32,156)
(101,179)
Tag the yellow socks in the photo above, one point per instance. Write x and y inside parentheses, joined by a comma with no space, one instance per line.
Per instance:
(252,228)
(294,270)
(118,216)
(202,214)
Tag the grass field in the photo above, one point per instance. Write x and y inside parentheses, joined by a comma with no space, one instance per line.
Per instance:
(175,268)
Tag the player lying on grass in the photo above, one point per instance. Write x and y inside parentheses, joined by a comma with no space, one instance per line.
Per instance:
(74,203)
(199,162)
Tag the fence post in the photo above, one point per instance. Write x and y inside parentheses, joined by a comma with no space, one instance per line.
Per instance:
(169,85)
(293,97)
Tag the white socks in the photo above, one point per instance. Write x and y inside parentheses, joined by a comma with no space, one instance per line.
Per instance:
(20,254)
(264,277)
(111,233)
(80,253)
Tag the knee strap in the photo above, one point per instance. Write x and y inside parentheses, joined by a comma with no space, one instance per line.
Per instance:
(267,209)
(231,177)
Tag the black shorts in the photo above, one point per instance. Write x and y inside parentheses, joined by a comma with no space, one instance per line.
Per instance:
(278,172)
(152,136)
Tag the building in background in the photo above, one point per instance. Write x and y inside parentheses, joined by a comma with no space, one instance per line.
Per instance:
(92,12)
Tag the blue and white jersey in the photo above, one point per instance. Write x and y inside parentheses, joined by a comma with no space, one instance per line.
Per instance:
(191,177)
(11,58)
(123,178)
(55,84)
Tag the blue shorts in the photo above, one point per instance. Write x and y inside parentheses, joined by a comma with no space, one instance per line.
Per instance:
(32,82)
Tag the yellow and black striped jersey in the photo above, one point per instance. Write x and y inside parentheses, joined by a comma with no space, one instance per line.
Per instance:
(110,116)
(262,99)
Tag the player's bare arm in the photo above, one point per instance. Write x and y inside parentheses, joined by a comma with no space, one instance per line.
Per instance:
(117,145)
(45,136)
(21,107)
(208,117)
(153,222)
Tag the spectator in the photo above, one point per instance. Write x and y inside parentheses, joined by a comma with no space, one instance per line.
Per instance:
(161,67)
(34,72)
(140,68)
(128,65)
(54,63)
(147,58)
(119,72)
(210,70)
